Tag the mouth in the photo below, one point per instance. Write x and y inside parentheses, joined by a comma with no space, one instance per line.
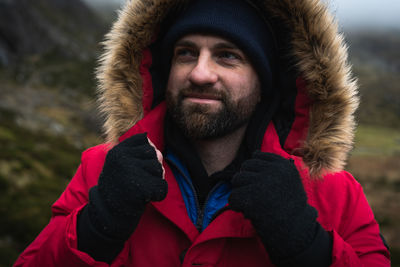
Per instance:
(202,98)
(205,96)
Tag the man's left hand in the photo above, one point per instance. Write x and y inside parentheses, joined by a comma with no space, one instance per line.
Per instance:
(268,191)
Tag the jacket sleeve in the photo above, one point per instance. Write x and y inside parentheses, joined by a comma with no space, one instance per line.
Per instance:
(56,245)
(355,232)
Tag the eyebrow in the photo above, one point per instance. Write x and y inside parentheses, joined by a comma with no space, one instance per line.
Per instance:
(225,45)
(185,43)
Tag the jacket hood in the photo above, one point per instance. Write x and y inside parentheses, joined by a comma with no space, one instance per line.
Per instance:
(316,118)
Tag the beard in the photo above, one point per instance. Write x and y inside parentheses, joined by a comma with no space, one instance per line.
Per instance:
(198,122)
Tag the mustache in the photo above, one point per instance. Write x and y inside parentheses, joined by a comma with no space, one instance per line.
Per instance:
(208,91)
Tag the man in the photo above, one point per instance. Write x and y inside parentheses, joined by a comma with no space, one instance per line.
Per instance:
(242,119)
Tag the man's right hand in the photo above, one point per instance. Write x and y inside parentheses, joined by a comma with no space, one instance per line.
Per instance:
(132,176)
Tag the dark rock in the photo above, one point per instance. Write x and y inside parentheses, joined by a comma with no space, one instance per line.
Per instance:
(29,27)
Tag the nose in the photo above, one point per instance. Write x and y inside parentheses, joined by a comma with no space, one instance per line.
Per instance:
(203,72)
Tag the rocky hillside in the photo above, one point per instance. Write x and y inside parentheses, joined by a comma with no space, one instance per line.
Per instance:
(35,27)
(48,50)
(376,60)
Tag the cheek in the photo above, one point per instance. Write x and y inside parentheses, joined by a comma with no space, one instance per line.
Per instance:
(176,80)
(172,81)
(253,82)
(245,85)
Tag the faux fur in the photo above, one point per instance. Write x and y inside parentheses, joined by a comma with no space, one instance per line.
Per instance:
(318,49)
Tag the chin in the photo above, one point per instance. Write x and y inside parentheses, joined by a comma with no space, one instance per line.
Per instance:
(202,108)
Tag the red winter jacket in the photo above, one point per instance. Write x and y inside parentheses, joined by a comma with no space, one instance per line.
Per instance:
(314,126)
(165,230)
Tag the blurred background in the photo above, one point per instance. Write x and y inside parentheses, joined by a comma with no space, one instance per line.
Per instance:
(48,51)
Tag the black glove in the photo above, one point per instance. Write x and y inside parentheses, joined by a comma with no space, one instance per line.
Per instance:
(132,176)
(268,191)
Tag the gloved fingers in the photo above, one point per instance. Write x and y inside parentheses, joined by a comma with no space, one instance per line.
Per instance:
(135,140)
(282,168)
(267,156)
(256,165)
(150,166)
(144,151)
(122,163)
(153,190)
(128,158)
(273,159)
(244,178)
(138,146)
(134,192)
(159,191)
(241,198)
(133,174)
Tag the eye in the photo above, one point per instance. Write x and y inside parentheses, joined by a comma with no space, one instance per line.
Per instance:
(229,58)
(183,54)
(228,55)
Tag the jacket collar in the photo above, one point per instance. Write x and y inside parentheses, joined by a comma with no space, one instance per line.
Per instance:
(229,223)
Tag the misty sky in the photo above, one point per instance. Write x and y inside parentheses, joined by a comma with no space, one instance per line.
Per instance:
(355,13)
(369,13)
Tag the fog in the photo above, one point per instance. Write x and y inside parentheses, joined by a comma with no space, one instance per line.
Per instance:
(350,13)
(366,13)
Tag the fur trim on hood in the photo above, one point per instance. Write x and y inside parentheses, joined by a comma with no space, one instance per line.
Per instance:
(317,53)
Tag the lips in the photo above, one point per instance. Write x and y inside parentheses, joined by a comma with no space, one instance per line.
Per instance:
(205,96)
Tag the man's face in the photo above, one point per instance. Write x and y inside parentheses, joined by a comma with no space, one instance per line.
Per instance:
(212,88)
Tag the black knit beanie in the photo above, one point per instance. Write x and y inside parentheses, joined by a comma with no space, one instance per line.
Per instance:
(235,20)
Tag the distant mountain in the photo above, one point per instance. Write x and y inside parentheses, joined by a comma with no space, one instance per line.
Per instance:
(48,50)
(376,59)
(28,27)
(380,48)
(107,10)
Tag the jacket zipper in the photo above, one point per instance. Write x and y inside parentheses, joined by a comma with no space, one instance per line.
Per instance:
(200,212)
(200,220)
